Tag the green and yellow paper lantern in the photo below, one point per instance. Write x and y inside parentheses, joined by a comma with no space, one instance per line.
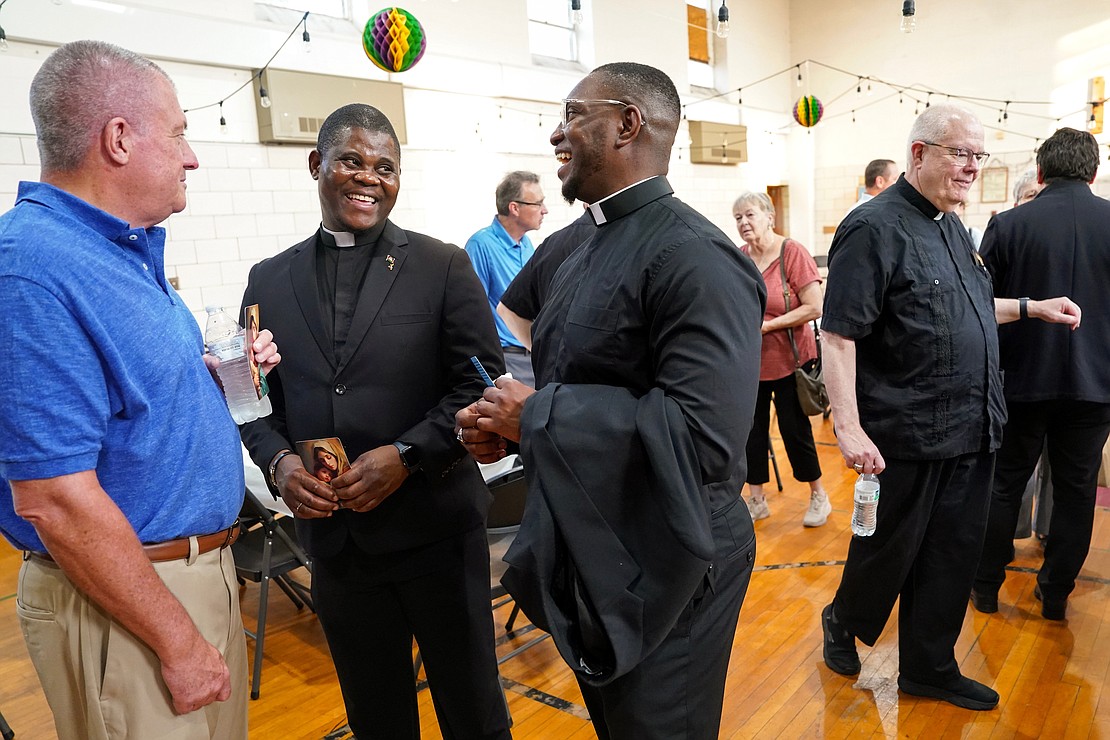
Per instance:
(808,110)
(394,40)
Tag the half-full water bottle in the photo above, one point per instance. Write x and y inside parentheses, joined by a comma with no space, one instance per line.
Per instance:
(866,510)
(227,341)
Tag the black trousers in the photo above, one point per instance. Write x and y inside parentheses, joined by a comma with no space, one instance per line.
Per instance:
(371,607)
(678,690)
(927,540)
(797,433)
(1075,432)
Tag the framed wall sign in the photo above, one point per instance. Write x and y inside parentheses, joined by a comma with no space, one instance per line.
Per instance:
(995,183)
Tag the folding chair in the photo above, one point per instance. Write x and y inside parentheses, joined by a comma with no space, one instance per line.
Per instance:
(506,482)
(509,489)
(267,550)
(5,730)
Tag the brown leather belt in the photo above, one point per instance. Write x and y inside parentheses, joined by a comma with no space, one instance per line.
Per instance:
(162,552)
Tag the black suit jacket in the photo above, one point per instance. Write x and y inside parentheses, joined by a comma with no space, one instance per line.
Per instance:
(404,372)
(1057,244)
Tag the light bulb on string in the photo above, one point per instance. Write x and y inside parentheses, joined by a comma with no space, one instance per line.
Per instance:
(306,39)
(722,21)
(3,40)
(798,81)
(869,92)
(264,97)
(223,121)
(859,86)
(739,96)
(576,12)
(853,116)
(928,99)
(909,17)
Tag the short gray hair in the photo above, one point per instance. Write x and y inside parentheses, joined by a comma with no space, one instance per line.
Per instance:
(1023,180)
(79,88)
(509,189)
(760,199)
(934,124)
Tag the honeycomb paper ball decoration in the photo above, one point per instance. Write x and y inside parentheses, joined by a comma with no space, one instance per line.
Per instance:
(394,40)
(808,110)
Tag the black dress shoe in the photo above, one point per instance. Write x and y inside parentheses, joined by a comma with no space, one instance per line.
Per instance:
(840,646)
(1051,608)
(965,692)
(984,602)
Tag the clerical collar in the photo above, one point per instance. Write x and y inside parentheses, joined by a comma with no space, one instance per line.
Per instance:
(917,200)
(627,200)
(350,239)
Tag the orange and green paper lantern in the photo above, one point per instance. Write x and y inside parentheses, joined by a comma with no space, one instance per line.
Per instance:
(394,40)
(808,110)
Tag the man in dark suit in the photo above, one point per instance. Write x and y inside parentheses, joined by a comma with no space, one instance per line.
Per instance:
(379,325)
(1057,381)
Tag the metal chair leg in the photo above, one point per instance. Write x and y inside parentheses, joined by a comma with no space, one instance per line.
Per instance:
(5,729)
(775,465)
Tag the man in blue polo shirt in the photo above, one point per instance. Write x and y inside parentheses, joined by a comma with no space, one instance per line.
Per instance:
(501,249)
(120,468)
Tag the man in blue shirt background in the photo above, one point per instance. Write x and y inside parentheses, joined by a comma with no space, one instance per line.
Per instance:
(501,249)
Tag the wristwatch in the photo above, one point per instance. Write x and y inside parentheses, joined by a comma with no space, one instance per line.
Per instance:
(410,456)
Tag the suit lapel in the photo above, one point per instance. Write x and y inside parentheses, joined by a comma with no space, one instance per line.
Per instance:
(385,265)
(302,273)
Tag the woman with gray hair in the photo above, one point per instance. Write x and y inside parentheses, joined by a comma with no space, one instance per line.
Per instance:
(776,256)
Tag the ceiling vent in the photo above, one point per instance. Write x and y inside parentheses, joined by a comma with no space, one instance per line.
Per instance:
(718,143)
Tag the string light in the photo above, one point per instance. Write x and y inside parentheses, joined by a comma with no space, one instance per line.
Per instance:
(305,38)
(909,17)
(722,21)
(576,12)
(3,35)
(739,96)
(263,95)
(798,83)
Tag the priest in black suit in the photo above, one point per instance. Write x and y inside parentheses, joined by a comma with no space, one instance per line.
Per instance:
(377,325)
(1057,381)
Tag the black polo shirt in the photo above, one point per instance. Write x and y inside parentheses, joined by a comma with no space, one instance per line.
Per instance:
(906,285)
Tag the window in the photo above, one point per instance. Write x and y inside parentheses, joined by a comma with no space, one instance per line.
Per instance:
(551,32)
(333,8)
(700,66)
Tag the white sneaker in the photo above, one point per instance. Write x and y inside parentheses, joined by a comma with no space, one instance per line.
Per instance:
(819,509)
(758,509)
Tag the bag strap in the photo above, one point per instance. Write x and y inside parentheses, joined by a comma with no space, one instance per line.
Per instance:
(786,299)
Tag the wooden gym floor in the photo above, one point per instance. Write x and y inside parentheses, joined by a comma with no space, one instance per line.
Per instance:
(1053,676)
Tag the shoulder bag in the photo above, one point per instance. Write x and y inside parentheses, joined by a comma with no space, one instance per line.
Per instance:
(812,396)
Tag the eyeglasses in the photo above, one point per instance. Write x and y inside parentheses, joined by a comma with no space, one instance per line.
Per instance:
(568,102)
(538,203)
(962,156)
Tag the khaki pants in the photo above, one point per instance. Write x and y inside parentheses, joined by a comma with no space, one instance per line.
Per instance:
(104,684)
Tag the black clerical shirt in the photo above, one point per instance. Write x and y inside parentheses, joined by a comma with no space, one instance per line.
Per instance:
(660,298)
(906,285)
(528,290)
(340,272)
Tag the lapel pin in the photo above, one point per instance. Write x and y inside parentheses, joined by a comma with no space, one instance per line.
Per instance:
(390,262)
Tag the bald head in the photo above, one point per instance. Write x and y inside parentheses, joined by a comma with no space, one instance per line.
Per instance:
(79,88)
(937,123)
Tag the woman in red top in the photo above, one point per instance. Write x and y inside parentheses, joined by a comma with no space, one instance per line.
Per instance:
(755,220)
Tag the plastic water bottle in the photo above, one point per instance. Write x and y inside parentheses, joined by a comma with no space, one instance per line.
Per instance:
(866,510)
(227,341)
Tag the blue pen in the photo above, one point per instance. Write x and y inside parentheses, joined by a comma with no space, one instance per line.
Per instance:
(482,371)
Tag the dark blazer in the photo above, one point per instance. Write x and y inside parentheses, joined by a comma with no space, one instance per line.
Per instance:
(609,575)
(404,372)
(1056,245)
